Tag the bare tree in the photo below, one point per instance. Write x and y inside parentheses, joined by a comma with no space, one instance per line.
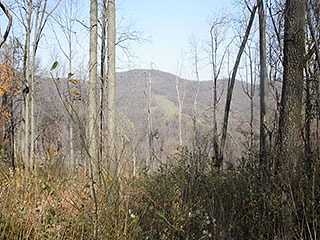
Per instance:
(33,17)
(216,39)
(249,88)
(40,22)
(92,118)
(102,79)
(180,99)
(231,85)
(66,19)
(313,24)
(149,160)
(195,61)
(263,85)
(93,111)
(26,68)
(6,34)
(111,75)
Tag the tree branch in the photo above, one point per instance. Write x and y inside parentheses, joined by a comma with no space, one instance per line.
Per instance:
(231,85)
(5,36)
(315,48)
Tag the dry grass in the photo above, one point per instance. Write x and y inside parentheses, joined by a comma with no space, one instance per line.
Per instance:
(54,205)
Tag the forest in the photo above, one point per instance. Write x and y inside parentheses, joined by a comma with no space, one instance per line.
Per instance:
(88,151)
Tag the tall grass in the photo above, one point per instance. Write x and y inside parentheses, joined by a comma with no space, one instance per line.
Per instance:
(185,199)
(51,204)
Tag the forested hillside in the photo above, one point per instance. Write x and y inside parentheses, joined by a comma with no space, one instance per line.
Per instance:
(133,102)
(132,107)
(99,140)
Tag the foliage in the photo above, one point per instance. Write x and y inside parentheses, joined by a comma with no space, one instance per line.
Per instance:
(185,199)
(187,202)
(9,89)
(166,105)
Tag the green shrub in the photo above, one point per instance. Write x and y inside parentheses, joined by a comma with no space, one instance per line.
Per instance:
(185,199)
(188,200)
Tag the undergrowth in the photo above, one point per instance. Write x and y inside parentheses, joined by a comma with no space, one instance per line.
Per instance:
(185,199)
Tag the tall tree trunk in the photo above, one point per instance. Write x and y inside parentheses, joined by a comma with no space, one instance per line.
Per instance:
(214,50)
(65,20)
(111,120)
(230,88)
(316,50)
(263,85)
(92,131)
(93,111)
(149,160)
(72,160)
(32,90)
(73,163)
(195,100)
(103,79)
(93,143)
(311,24)
(252,92)
(12,135)
(180,103)
(308,118)
(250,71)
(290,122)
(39,25)
(27,87)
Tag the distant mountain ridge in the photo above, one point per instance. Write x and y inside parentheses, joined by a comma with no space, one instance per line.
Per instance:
(132,102)
(132,88)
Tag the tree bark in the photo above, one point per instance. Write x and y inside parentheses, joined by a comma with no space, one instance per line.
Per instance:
(194,45)
(93,111)
(180,103)
(27,87)
(214,50)
(103,79)
(92,131)
(111,120)
(149,160)
(290,122)
(313,32)
(73,163)
(263,85)
(216,68)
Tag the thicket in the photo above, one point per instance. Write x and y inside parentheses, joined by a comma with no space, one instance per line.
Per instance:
(185,199)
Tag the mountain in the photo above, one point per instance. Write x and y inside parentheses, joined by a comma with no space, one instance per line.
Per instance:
(132,106)
(132,102)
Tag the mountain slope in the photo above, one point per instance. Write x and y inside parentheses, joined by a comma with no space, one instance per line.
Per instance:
(132,92)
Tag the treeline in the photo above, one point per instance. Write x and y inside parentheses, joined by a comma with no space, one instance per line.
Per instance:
(270,193)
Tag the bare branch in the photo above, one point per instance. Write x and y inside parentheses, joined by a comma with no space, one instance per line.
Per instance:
(231,85)
(315,48)
(5,36)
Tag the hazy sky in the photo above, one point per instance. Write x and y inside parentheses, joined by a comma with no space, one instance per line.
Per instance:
(171,23)
(168,24)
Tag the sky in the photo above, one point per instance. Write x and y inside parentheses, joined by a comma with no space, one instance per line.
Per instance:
(171,24)
(167,25)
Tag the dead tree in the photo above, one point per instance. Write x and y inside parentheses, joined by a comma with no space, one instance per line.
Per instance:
(231,86)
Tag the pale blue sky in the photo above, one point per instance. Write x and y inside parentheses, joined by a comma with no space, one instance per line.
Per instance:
(171,23)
